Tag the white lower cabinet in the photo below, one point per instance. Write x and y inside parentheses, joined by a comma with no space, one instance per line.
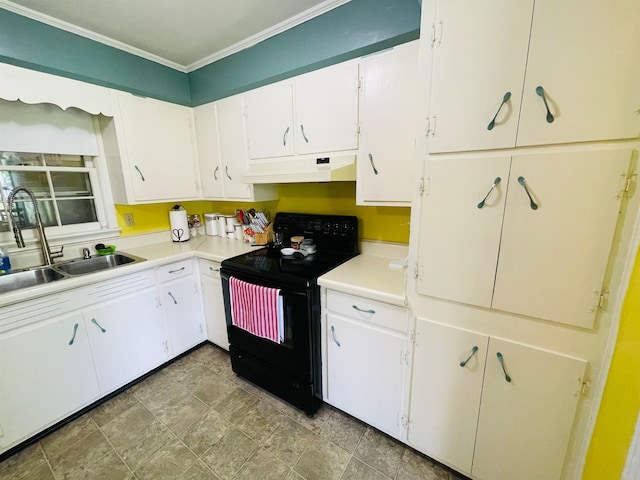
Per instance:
(213,303)
(182,305)
(46,374)
(366,352)
(128,338)
(489,407)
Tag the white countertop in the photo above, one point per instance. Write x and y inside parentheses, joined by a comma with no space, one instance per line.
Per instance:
(366,275)
(369,275)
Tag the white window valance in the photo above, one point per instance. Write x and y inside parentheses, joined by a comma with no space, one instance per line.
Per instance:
(46,128)
(32,87)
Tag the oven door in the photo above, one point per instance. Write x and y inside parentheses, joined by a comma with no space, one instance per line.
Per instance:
(288,369)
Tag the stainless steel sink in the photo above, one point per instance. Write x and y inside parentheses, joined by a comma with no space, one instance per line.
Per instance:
(82,266)
(29,278)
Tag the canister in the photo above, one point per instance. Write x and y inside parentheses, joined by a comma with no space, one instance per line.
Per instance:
(222,226)
(211,224)
(296,241)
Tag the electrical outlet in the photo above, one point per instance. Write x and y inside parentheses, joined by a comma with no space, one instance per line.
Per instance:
(128,220)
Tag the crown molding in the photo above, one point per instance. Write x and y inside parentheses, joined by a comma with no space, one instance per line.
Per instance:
(259,37)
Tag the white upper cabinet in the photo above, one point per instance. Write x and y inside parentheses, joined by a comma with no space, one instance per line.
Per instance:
(387,126)
(580,54)
(326,109)
(507,232)
(151,151)
(479,59)
(313,113)
(459,242)
(506,74)
(568,236)
(222,154)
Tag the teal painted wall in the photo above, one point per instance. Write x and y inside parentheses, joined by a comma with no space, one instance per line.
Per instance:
(27,43)
(357,28)
(349,31)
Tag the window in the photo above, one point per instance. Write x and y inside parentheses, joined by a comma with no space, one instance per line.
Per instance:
(56,154)
(60,183)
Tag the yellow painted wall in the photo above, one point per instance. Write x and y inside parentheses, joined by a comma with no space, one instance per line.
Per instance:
(621,399)
(390,224)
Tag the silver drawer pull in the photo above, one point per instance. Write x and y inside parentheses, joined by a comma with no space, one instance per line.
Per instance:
(175,302)
(214,269)
(355,307)
(504,370)
(176,271)
(95,322)
(333,336)
(495,183)
(473,352)
(73,337)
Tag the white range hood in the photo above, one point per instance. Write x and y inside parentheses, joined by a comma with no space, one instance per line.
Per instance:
(301,170)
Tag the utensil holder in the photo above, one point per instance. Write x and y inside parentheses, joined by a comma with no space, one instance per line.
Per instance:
(266,237)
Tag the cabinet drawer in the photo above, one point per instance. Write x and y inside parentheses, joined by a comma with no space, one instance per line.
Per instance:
(209,268)
(367,310)
(175,270)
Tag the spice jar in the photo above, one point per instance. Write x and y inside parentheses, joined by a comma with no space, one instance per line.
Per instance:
(296,242)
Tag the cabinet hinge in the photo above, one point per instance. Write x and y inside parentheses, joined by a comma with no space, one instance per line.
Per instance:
(158,302)
(631,180)
(404,422)
(584,385)
(417,271)
(601,304)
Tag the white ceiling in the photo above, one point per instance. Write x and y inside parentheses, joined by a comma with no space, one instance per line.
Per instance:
(182,34)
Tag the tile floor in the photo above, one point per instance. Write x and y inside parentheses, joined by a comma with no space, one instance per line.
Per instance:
(196,420)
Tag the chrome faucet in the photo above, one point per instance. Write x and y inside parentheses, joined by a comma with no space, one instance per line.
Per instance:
(47,254)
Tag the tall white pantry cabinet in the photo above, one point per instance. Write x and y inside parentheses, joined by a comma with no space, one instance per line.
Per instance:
(523,223)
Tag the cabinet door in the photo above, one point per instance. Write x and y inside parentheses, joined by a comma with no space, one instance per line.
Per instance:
(270,121)
(446,384)
(213,303)
(480,52)
(159,144)
(525,423)
(233,148)
(128,338)
(579,53)
(209,151)
(365,372)
(387,125)
(46,373)
(183,308)
(326,106)
(459,242)
(553,259)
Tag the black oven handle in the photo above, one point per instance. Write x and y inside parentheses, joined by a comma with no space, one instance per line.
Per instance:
(286,294)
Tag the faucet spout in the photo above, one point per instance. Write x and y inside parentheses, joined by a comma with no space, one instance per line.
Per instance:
(47,254)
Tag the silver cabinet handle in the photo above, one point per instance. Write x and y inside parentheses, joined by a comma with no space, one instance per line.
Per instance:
(505,99)
(540,93)
(303,135)
(176,271)
(284,137)
(504,370)
(355,307)
(375,171)
(141,175)
(214,269)
(473,352)
(523,182)
(495,183)
(226,170)
(333,336)
(95,322)
(175,302)
(73,337)
(215,173)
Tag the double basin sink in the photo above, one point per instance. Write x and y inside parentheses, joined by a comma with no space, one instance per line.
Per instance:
(31,277)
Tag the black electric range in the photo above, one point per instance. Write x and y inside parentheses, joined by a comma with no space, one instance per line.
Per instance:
(290,369)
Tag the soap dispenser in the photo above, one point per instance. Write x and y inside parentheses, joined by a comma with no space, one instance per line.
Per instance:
(5,263)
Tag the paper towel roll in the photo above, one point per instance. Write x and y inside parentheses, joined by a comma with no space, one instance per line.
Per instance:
(179,225)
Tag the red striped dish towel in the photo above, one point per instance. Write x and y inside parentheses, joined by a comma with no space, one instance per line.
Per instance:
(257,309)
